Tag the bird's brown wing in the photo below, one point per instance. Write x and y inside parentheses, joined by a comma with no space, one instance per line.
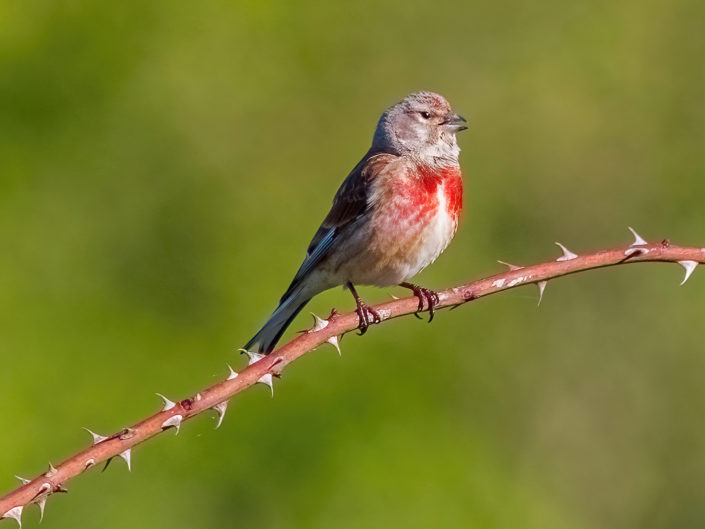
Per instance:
(350,202)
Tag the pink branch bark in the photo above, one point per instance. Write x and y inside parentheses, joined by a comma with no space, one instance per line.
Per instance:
(262,368)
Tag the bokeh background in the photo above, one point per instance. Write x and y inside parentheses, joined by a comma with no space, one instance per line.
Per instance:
(163,167)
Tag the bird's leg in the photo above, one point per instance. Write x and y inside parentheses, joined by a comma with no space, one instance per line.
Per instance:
(423,294)
(365,313)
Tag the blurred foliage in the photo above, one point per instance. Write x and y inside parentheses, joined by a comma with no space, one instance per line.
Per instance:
(164,165)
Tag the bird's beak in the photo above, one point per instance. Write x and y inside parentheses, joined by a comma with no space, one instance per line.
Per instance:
(455,123)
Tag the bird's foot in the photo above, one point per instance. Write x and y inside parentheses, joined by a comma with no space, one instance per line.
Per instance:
(423,294)
(367,315)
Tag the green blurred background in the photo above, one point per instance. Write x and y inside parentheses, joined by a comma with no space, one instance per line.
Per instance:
(163,167)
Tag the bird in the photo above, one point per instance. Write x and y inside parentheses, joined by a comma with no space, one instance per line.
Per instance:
(393,215)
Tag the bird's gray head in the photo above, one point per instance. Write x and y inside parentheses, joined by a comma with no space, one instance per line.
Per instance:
(422,126)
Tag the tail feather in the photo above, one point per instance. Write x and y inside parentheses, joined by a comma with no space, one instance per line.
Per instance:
(268,336)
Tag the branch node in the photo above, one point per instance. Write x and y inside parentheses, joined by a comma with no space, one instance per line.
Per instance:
(127,433)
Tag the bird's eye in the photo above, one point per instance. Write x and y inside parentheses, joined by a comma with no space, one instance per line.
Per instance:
(425,115)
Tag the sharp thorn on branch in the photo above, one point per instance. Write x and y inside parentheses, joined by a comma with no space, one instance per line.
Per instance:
(51,472)
(42,503)
(232,374)
(173,421)
(127,456)
(265,379)
(318,323)
(689,269)
(96,438)
(41,498)
(15,513)
(167,403)
(333,340)
(638,241)
(220,409)
(23,480)
(567,254)
(542,287)
(510,266)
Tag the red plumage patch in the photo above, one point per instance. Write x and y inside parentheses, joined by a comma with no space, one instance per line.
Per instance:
(448,177)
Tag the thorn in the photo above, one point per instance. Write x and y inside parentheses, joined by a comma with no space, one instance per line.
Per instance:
(333,340)
(689,269)
(510,266)
(318,323)
(542,287)
(265,379)
(232,374)
(51,472)
(41,503)
(175,421)
(394,297)
(253,357)
(127,456)
(15,513)
(220,409)
(638,241)
(96,438)
(167,403)
(567,254)
(88,464)
(41,498)
(24,481)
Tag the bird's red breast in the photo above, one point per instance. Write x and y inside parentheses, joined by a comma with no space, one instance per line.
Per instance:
(419,192)
(449,179)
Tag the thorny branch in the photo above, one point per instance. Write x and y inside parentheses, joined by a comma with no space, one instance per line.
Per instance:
(263,368)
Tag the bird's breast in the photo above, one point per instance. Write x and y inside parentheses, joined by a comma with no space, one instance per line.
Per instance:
(414,217)
(420,195)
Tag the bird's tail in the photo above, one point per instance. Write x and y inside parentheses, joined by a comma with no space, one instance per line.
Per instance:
(268,336)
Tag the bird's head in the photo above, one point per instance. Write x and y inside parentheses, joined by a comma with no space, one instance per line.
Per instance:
(423,126)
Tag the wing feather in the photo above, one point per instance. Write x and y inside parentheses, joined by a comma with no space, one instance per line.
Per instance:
(349,203)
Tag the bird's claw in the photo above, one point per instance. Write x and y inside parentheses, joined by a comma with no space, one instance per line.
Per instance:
(424,294)
(367,316)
